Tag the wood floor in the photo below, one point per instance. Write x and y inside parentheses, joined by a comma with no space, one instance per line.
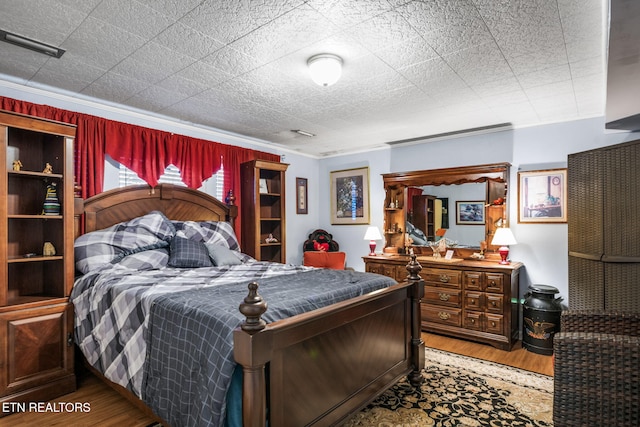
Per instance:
(108,408)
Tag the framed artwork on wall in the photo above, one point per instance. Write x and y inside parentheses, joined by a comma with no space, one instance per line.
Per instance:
(301,196)
(350,196)
(470,213)
(542,196)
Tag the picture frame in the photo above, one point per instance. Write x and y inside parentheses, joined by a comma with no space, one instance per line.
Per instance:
(470,212)
(542,196)
(301,196)
(263,186)
(350,196)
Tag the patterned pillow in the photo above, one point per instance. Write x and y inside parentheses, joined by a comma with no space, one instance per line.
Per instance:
(218,232)
(98,248)
(187,253)
(152,259)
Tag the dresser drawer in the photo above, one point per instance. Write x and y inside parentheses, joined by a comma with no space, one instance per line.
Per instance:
(442,277)
(494,303)
(494,282)
(473,320)
(444,315)
(494,324)
(388,270)
(473,300)
(473,280)
(442,296)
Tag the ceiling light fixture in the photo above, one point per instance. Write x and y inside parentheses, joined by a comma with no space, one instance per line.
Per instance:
(303,132)
(31,44)
(325,69)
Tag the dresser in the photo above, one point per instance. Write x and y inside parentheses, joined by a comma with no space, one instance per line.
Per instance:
(475,300)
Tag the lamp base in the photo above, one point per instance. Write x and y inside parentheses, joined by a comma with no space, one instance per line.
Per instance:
(504,254)
(372,248)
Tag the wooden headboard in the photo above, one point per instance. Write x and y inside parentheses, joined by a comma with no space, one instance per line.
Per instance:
(177,203)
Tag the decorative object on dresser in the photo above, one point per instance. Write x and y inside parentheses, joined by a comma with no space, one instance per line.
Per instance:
(263,213)
(504,238)
(372,234)
(350,196)
(36,318)
(475,300)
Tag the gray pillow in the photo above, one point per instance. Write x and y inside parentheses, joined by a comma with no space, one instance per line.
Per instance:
(185,253)
(222,255)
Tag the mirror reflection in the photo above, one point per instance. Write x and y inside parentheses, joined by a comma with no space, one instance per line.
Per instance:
(433,213)
(462,205)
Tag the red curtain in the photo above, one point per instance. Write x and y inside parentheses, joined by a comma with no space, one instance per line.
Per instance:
(145,151)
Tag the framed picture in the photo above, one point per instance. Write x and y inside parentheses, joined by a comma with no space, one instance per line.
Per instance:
(301,196)
(470,213)
(350,196)
(263,186)
(542,196)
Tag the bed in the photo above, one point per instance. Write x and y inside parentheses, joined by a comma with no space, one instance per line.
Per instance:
(291,366)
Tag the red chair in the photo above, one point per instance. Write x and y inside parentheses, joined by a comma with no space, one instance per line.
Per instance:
(323,259)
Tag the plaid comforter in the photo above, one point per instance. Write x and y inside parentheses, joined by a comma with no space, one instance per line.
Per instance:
(190,345)
(112,306)
(167,334)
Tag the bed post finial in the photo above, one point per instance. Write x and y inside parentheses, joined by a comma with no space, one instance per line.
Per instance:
(253,308)
(413,267)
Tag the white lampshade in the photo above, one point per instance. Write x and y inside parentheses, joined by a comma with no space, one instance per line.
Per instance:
(372,234)
(325,69)
(503,237)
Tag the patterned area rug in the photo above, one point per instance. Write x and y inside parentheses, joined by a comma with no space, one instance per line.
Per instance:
(463,391)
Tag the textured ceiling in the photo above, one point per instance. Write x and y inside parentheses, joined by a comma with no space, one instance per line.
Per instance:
(411,68)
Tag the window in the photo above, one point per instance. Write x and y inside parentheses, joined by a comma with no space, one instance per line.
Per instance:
(171,175)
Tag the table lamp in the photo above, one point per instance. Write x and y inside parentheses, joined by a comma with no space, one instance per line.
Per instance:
(503,238)
(372,235)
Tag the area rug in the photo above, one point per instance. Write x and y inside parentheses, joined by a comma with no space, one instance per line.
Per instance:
(463,391)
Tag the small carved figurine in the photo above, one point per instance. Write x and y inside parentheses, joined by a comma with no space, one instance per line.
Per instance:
(271,239)
(48,249)
(17,165)
(48,168)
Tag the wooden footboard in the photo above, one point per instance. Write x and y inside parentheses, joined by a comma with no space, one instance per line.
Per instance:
(324,365)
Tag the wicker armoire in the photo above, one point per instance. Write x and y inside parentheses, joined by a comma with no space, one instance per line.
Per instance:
(604,228)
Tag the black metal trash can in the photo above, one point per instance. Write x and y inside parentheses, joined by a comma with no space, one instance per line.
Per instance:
(541,319)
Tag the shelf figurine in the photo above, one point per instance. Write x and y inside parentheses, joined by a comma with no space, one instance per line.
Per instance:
(17,165)
(48,249)
(51,204)
(48,168)
(271,239)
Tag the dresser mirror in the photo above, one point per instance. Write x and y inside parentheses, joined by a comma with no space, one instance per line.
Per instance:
(464,205)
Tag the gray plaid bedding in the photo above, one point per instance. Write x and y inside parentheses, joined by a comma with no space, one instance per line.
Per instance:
(190,345)
(112,309)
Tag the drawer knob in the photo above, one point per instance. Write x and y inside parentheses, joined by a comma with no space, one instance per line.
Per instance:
(493,303)
(444,297)
(444,316)
(493,324)
(444,278)
(493,283)
(472,320)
